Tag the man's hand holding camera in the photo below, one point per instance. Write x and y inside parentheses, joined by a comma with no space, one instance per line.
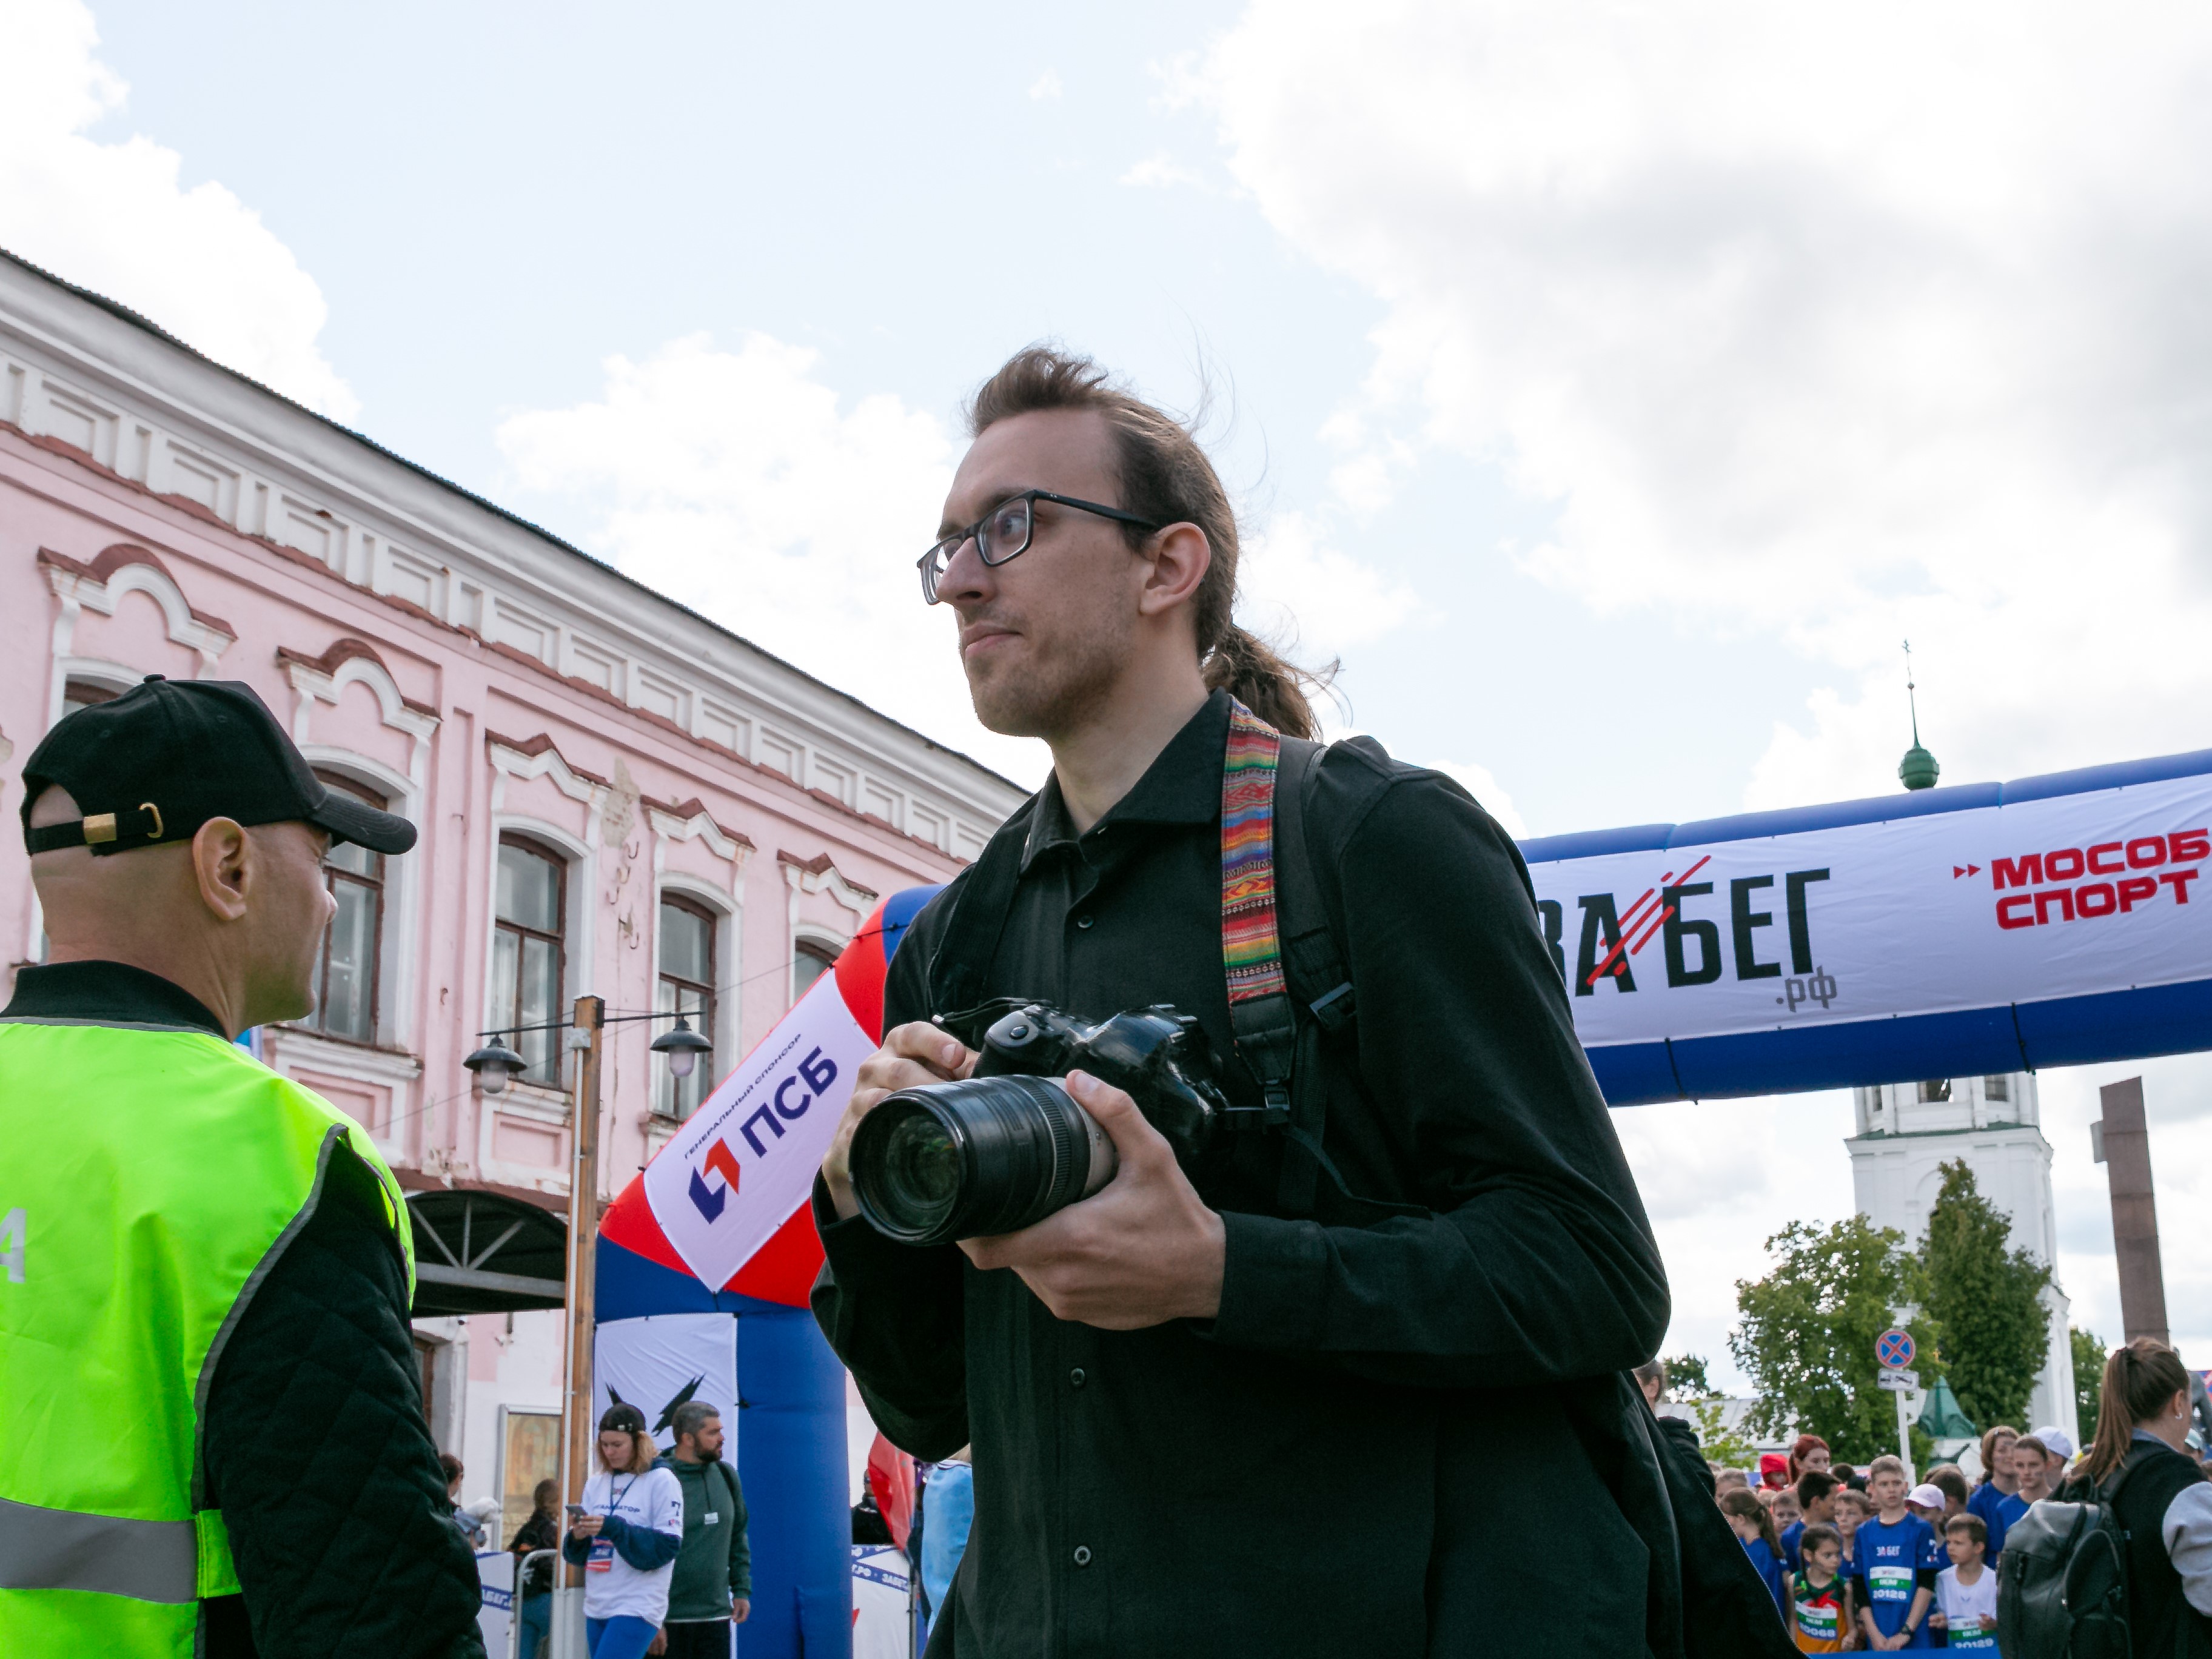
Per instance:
(1141,1251)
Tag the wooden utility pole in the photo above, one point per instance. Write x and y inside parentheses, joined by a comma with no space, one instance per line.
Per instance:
(2122,1144)
(577,1434)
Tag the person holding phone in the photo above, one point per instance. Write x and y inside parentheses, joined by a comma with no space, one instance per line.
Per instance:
(625,1538)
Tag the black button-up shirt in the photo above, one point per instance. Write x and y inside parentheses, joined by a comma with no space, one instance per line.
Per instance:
(1347,1460)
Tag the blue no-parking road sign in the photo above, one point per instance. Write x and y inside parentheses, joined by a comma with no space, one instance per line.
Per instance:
(1893,1349)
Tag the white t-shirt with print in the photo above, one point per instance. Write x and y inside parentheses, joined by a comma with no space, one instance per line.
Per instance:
(652,1501)
(1970,1611)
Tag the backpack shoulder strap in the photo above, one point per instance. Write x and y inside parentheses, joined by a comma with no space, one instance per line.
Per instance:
(1324,1000)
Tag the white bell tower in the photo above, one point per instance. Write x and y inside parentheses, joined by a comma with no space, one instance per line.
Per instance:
(1908,1131)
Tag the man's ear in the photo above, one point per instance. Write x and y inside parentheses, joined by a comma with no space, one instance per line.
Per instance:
(224,862)
(1176,560)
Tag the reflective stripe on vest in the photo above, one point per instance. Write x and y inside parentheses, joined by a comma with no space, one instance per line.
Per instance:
(150,1179)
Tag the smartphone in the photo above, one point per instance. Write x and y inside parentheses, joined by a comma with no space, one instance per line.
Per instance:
(575,1511)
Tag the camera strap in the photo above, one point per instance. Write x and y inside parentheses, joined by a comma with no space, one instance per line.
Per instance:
(1266,979)
(1259,1008)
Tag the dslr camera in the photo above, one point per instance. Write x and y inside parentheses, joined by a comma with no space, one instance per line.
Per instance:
(1002,1148)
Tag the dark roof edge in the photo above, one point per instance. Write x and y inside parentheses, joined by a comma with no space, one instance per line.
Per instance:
(136,320)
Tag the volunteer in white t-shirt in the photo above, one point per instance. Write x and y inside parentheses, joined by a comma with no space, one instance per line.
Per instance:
(626,1540)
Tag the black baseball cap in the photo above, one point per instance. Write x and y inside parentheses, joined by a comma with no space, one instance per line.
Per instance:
(150,766)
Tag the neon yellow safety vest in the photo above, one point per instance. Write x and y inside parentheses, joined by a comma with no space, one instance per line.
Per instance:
(150,1178)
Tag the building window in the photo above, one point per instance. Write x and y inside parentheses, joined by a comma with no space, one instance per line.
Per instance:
(1935,1093)
(1997,1088)
(810,960)
(85,694)
(686,986)
(346,978)
(528,957)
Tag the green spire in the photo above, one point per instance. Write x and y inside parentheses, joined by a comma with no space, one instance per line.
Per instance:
(1940,1418)
(1918,769)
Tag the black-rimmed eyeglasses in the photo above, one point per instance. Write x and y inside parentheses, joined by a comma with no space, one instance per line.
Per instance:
(1004,533)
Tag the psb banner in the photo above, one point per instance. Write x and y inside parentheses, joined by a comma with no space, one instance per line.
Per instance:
(2055,921)
(745,1160)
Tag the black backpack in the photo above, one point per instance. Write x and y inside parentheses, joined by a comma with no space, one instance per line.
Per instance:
(2062,1579)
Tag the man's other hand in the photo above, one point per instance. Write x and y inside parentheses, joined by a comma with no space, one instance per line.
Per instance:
(1142,1251)
(741,1608)
(914,1053)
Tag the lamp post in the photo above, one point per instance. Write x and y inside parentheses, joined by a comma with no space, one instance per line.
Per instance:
(576,1424)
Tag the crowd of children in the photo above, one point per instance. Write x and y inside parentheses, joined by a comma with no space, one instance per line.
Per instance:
(1864,1561)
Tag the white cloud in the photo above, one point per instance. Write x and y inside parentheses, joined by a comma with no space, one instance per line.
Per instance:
(1294,587)
(1047,85)
(736,483)
(114,218)
(1161,170)
(1830,325)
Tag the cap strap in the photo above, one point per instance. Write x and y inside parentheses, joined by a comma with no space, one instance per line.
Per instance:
(119,829)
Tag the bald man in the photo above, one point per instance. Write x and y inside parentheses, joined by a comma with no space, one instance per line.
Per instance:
(215,1441)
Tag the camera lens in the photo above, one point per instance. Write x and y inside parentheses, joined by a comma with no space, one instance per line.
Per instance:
(980,1154)
(921,1169)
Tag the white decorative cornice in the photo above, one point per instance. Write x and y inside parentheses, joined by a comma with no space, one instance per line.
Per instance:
(537,758)
(819,875)
(126,568)
(355,662)
(690,820)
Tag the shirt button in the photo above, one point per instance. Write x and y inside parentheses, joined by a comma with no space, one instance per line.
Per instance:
(1086,920)
(1076,1376)
(1083,1555)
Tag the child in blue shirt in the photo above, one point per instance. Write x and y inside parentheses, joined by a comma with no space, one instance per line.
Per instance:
(1749,1520)
(1895,1559)
(1816,1504)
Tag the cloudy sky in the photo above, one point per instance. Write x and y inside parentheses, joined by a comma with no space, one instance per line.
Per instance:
(1612,387)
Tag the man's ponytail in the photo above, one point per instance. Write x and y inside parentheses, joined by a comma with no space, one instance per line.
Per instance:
(1166,478)
(1264,681)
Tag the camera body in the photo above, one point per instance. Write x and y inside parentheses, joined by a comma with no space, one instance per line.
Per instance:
(1008,1145)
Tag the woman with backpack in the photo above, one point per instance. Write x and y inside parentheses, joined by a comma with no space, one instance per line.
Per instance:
(2140,1464)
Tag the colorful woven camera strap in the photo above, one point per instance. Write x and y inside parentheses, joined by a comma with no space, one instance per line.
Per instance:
(1251,943)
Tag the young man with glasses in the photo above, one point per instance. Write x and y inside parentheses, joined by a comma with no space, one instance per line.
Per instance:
(1251,1406)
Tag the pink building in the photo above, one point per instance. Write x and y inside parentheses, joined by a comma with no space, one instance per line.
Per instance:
(615,795)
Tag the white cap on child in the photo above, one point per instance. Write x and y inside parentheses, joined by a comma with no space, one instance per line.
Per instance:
(1925,1497)
(2056,1439)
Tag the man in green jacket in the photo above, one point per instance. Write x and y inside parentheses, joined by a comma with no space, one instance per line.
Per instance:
(714,1583)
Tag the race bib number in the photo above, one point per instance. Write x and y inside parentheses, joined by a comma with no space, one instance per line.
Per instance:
(1974,1636)
(1889,1583)
(602,1557)
(1817,1621)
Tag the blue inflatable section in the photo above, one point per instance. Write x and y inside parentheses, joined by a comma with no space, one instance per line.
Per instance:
(2167,1019)
(791,1453)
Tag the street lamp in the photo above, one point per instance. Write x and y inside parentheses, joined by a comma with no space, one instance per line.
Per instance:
(494,1064)
(683,1046)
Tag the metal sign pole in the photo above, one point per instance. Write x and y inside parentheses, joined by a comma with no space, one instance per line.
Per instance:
(1903,1438)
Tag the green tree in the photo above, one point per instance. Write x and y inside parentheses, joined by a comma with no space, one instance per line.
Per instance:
(1720,1444)
(1686,1378)
(1987,1300)
(1809,1330)
(2090,1354)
